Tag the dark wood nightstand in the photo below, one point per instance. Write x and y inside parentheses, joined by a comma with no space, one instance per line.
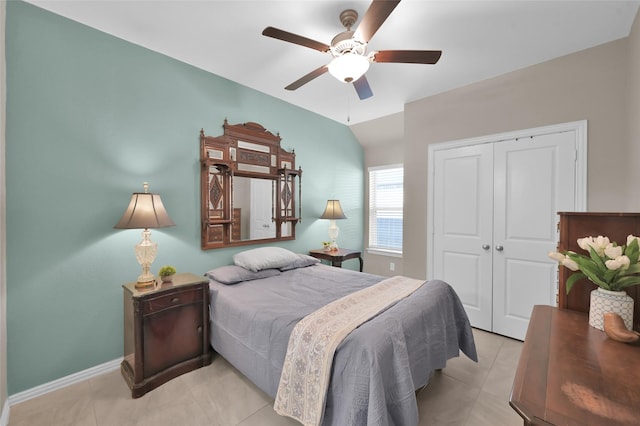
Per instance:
(336,257)
(166,331)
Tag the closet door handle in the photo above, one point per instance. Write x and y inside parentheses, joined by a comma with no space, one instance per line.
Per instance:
(499,248)
(486,247)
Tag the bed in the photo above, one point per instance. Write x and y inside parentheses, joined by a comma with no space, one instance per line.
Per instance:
(376,368)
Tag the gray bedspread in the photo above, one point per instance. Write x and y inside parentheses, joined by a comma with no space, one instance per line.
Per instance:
(377,367)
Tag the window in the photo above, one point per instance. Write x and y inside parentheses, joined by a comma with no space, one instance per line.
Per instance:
(385,208)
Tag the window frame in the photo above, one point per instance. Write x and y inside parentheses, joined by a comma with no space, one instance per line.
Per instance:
(372,212)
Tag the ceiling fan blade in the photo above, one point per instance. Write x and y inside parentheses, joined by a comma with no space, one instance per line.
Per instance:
(307,78)
(363,88)
(295,39)
(408,56)
(373,18)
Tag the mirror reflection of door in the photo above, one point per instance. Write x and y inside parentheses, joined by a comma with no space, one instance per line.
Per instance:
(260,223)
(286,230)
(242,201)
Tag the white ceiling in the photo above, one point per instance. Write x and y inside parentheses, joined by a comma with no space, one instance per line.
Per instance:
(479,39)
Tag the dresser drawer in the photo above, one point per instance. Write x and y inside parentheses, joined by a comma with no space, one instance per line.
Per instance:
(160,303)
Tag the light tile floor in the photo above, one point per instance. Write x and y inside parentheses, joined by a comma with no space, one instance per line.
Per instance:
(464,393)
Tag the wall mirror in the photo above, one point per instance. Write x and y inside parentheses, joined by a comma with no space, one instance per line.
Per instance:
(250,187)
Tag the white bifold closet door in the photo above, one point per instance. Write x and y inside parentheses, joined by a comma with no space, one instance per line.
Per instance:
(495,220)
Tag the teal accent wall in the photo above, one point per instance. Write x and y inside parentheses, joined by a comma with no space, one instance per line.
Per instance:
(90,117)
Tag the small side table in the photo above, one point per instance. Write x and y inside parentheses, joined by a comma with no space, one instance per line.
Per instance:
(336,257)
(166,331)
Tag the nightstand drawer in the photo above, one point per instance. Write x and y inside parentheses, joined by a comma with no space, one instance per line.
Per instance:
(157,304)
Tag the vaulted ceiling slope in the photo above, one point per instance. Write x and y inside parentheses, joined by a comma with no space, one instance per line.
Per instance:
(480,39)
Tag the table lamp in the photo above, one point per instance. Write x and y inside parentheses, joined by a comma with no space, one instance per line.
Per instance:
(145,211)
(332,212)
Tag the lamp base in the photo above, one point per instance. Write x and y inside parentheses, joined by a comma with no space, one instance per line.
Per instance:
(146,254)
(145,284)
(145,279)
(334,231)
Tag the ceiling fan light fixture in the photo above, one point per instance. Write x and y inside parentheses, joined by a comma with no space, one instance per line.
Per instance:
(348,67)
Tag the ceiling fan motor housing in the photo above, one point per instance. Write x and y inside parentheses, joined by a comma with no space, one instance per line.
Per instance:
(345,43)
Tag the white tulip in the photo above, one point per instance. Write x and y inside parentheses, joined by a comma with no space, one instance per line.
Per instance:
(630,238)
(585,243)
(599,244)
(570,263)
(612,251)
(620,262)
(625,261)
(558,257)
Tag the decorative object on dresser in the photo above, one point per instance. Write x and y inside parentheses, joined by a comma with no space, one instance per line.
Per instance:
(145,211)
(576,225)
(617,330)
(250,188)
(612,268)
(333,211)
(604,301)
(336,257)
(166,273)
(166,331)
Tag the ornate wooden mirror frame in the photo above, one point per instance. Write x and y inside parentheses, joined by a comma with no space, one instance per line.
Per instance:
(231,208)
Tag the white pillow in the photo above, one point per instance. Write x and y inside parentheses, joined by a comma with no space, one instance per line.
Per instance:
(302,261)
(264,258)
(232,274)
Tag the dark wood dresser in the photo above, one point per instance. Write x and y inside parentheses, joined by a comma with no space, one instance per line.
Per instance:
(166,331)
(570,373)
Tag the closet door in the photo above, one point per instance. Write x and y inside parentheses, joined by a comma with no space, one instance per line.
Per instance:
(494,221)
(463,224)
(533,179)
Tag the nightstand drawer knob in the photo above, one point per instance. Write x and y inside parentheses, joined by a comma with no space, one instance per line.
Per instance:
(175,300)
(199,329)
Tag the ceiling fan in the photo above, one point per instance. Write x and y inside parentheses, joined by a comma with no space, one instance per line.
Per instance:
(349,48)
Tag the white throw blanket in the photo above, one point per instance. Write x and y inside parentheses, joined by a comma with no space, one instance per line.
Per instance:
(307,366)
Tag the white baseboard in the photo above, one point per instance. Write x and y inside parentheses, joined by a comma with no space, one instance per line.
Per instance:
(60,383)
(4,415)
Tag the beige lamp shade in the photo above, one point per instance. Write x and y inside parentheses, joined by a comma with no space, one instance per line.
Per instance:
(333,210)
(145,211)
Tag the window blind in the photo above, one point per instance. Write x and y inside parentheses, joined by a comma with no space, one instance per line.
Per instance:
(386,196)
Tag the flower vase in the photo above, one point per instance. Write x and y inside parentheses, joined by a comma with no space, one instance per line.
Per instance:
(167,278)
(603,301)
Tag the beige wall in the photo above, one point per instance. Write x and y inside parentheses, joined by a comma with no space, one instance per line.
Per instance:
(3,293)
(384,145)
(381,155)
(590,85)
